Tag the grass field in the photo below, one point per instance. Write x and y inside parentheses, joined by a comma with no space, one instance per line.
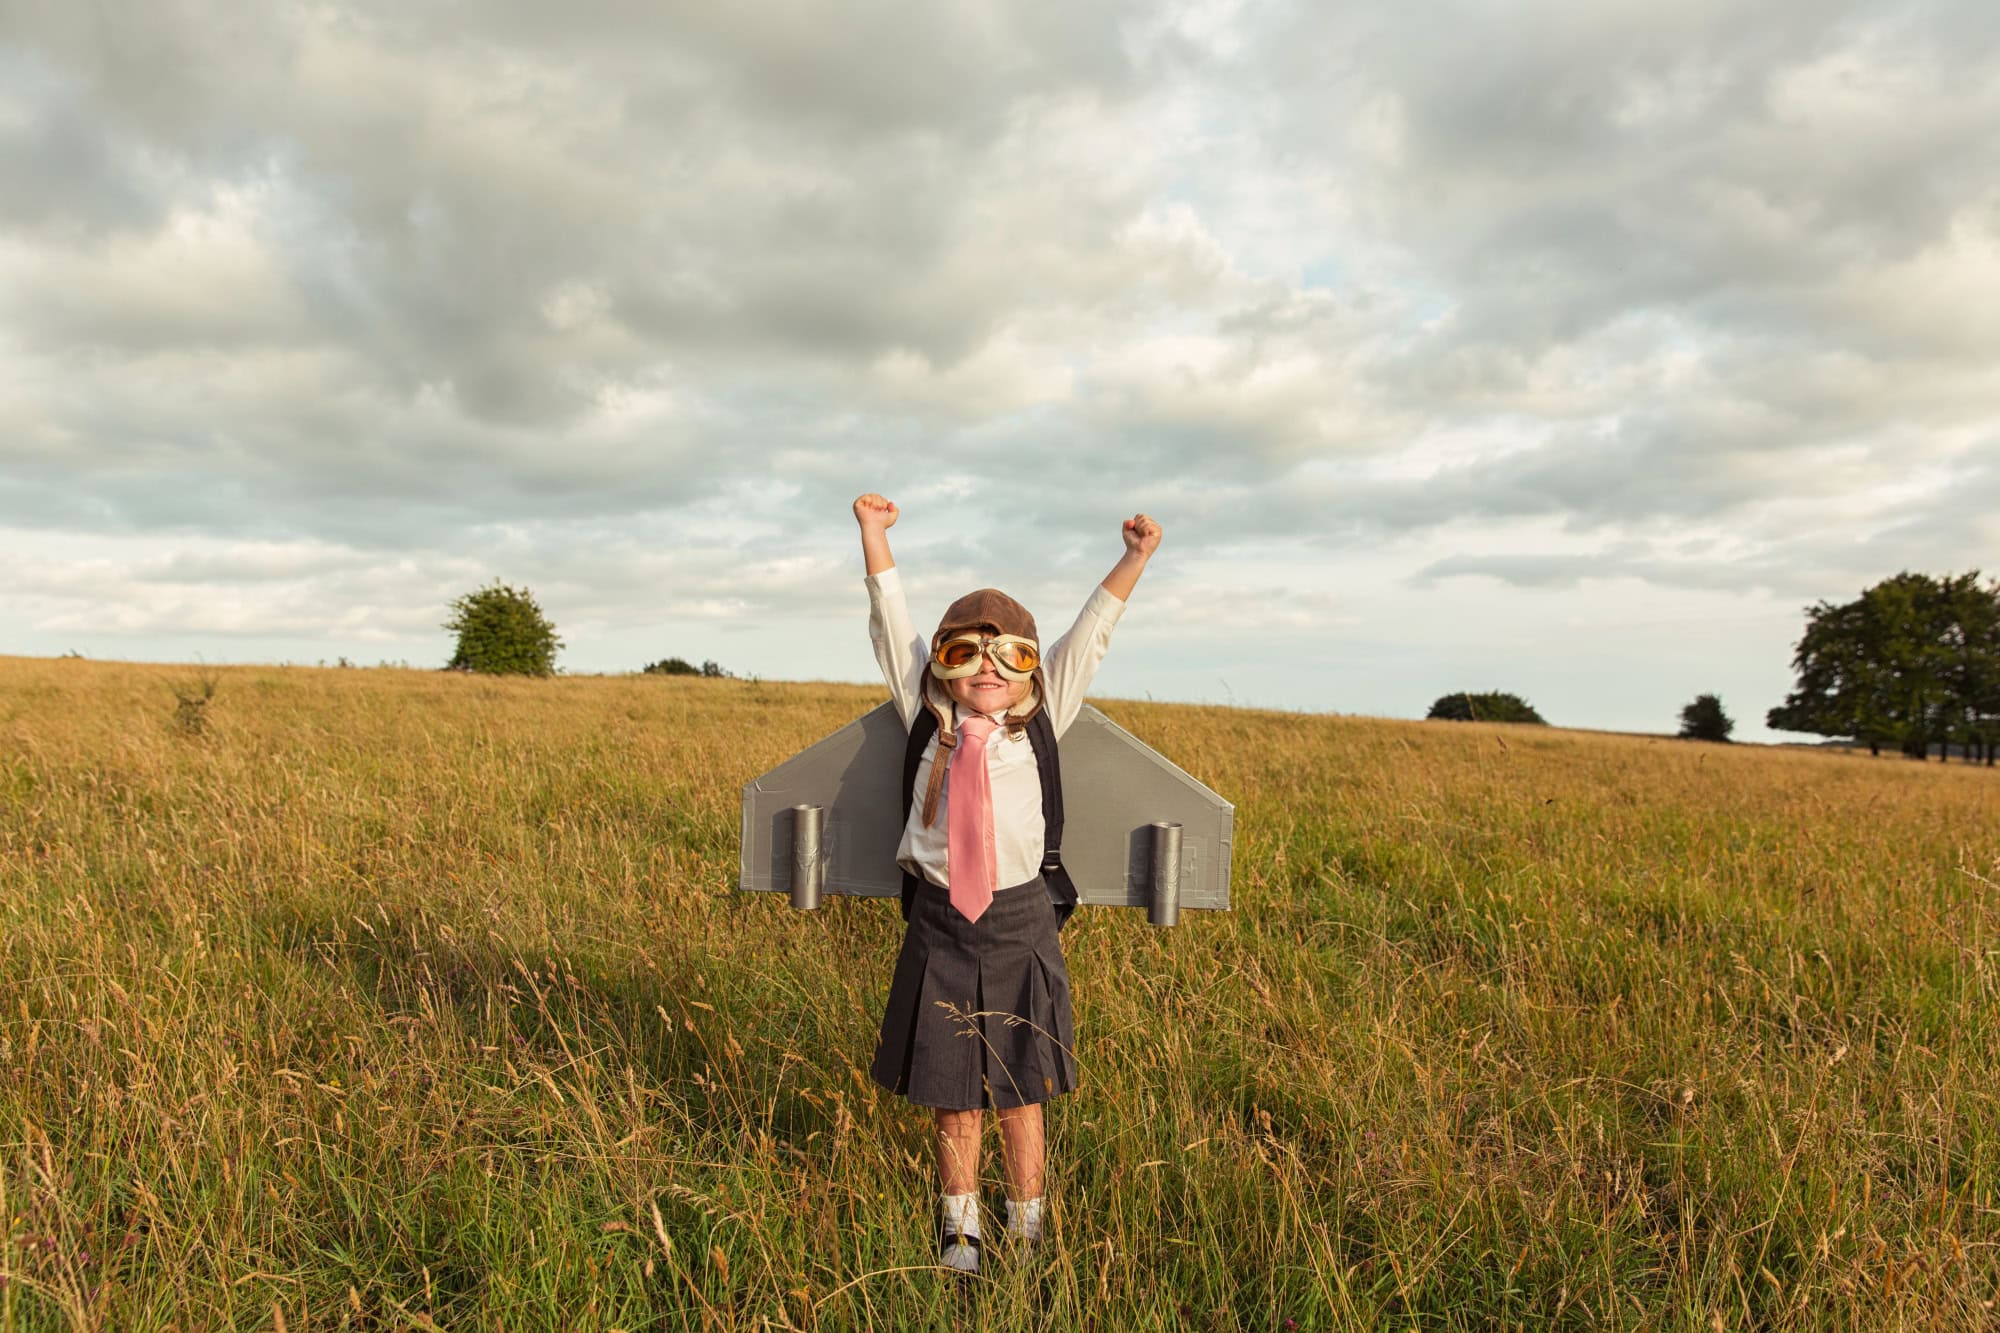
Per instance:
(395,999)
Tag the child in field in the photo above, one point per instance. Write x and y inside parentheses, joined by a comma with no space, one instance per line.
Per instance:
(978,1012)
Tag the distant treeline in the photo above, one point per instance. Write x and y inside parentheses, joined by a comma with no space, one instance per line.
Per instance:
(1913,662)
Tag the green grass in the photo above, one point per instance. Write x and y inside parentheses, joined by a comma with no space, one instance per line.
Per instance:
(402,999)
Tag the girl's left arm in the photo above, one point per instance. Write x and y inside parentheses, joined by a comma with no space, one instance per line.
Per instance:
(1142,538)
(1072,662)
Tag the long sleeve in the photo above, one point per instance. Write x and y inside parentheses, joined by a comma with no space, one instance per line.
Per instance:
(899,650)
(1071,663)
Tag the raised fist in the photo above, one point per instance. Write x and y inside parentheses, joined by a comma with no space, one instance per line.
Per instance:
(872,511)
(1142,535)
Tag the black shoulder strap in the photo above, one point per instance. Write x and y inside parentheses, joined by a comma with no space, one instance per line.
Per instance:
(921,732)
(1048,764)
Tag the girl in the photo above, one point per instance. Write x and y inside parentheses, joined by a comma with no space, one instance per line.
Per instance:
(978,1012)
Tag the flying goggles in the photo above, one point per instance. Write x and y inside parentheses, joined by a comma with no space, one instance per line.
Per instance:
(1012,656)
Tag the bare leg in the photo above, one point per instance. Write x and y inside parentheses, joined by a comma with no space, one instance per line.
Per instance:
(958,1150)
(1022,1150)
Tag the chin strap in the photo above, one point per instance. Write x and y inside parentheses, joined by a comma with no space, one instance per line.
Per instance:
(947,738)
(946,742)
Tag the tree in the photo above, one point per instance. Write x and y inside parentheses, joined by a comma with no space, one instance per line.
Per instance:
(1491,706)
(1913,660)
(1704,720)
(502,632)
(1971,666)
(1840,690)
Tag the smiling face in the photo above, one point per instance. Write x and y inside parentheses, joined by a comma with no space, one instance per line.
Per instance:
(987,691)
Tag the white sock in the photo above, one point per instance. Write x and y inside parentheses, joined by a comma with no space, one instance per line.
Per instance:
(959,1217)
(1024,1219)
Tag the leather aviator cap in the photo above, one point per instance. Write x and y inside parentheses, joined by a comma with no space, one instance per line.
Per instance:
(991,609)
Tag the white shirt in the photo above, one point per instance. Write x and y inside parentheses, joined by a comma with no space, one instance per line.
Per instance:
(1067,670)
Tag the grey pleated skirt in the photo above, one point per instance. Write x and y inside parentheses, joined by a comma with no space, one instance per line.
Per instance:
(978,1012)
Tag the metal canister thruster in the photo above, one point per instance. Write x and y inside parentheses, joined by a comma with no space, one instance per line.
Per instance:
(1164,907)
(808,855)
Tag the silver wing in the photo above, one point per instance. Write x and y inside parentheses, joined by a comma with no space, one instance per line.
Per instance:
(1137,831)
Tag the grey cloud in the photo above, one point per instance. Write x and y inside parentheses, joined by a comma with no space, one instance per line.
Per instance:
(436,208)
(582,573)
(260,564)
(878,69)
(748,203)
(65,175)
(1557,167)
(1569,570)
(1941,529)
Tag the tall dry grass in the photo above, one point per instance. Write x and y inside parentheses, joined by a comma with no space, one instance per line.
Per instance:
(398,999)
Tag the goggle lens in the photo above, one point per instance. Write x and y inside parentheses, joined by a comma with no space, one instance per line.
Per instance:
(958,653)
(1017,656)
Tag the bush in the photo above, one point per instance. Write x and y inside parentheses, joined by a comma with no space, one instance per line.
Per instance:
(1491,706)
(502,632)
(680,666)
(1704,720)
(191,705)
(671,666)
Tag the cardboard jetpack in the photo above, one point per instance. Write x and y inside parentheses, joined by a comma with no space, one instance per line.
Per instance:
(1137,831)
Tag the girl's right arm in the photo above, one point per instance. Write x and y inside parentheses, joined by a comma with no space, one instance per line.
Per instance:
(876,516)
(899,650)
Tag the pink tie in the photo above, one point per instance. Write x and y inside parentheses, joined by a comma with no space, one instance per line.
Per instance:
(970,860)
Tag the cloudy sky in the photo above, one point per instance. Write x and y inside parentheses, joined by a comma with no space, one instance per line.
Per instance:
(1568,347)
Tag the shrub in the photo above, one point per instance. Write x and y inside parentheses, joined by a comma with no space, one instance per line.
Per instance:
(680,666)
(502,632)
(671,666)
(191,705)
(1704,720)
(1491,706)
